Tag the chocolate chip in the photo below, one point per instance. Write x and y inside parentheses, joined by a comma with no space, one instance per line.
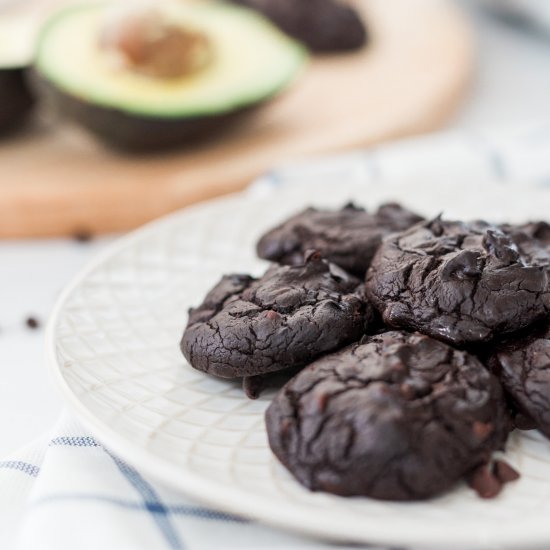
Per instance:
(312,256)
(32,322)
(504,472)
(465,265)
(435,226)
(541,231)
(482,430)
(484,482)
(407,391)
(395,364)
(252,386)
(322,401)
(501,246)
(83,236)
(285,426)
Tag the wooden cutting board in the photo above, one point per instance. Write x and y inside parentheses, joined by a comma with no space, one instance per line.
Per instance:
(55,179)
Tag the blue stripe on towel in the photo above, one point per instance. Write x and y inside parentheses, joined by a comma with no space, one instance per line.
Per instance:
(205,513)
(179,510)
(74,441)
(25,467)
(151,501)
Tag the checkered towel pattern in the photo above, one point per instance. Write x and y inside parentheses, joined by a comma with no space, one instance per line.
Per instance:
(67,491)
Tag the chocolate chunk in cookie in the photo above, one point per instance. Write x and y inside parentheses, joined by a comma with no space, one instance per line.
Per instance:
(461,283)
(398,417)
(322,25)
(532,240)
(523,367)
(348,237)
(287,318)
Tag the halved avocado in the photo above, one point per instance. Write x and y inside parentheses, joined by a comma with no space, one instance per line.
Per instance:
(251,62)
(16,97)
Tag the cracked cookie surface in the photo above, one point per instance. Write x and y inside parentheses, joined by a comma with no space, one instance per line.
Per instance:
(287,318)
(532,240)
(461,283)
(348,237)
(523,367)
(399,416)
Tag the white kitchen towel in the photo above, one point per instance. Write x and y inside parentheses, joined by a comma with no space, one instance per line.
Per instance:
(531,12)
(66,491)
(513,155)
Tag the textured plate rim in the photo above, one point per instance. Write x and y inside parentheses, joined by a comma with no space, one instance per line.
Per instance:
(526,533)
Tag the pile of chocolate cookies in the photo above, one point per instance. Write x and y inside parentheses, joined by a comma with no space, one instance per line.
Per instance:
(415,346)
(323,26)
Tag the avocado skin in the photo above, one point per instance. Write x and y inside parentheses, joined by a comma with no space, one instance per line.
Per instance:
(16,99)
(133,133)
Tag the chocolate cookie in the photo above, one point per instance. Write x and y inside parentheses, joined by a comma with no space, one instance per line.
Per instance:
(348,237)
(461,283)
(523,367)
(322,25)
(399,417)
(532,240)
(287,318)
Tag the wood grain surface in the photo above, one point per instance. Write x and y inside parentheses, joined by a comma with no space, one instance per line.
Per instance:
(55,179)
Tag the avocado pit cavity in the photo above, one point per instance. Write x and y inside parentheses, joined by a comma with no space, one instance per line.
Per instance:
(148,43)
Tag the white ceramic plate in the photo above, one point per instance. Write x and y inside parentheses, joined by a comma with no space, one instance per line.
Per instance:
(113,348)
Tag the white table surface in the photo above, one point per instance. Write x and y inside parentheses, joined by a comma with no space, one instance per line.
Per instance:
(512,87)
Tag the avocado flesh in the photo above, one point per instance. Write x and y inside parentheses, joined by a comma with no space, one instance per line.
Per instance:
(253,61)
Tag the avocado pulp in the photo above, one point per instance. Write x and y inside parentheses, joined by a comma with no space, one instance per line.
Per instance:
(252,61)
